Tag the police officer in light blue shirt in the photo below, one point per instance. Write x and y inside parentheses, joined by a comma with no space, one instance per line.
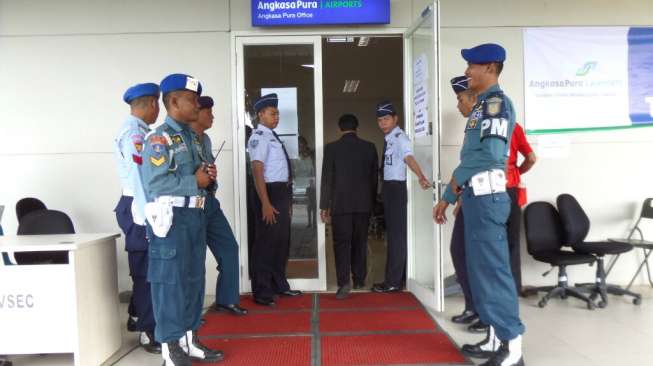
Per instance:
(220,238)
(273,205)
(143,100)
(175,181)
(397,155)
(481,182)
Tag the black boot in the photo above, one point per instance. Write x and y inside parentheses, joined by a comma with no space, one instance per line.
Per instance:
(484,349)
(174,355)
(197,351)
(148,343)
(509,354)
(466,317)
(478,327)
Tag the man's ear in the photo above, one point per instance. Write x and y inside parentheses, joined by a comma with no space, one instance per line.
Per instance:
(174,101)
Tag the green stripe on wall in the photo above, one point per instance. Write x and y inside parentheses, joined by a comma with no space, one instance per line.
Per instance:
(589,129)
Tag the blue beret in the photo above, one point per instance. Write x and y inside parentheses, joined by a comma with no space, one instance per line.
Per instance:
(483,54)
(269,100)
(141,90)
(205,102)
(384,108)
(180,82)
(459,84)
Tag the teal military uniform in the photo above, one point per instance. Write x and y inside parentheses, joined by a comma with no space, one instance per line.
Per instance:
(485,148)
(219,236)
(176,266)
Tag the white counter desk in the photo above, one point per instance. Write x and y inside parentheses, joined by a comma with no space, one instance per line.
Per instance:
(61,308)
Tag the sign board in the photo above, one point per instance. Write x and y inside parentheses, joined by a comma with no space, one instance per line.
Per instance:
(267,13)
(587,78)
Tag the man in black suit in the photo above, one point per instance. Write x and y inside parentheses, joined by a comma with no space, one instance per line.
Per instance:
(349,179)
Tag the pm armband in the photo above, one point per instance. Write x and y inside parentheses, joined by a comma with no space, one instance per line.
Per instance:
(494,127)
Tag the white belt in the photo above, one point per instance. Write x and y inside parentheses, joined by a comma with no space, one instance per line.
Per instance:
(127,192)
(181,201)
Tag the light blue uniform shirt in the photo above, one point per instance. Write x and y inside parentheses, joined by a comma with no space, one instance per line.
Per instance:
(170,161)
(128,146)
(264,147)
(487,138)
(397,149)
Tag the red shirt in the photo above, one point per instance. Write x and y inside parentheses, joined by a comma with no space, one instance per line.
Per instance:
(517,144)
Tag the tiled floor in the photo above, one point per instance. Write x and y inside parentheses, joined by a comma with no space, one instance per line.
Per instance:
(563,333)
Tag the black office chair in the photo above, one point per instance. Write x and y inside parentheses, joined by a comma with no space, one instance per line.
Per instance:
(544,239)
(44,222)
(27,205)
(576,226)
(644,245)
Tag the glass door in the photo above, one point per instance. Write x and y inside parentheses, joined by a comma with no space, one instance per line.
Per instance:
(290,66)
(424,272)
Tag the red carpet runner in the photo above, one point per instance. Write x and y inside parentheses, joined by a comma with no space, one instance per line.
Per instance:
(317,329)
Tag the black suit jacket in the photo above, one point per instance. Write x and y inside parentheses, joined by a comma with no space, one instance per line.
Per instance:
(349,176)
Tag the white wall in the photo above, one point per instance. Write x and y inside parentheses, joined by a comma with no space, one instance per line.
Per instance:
(65,64)
(606,171)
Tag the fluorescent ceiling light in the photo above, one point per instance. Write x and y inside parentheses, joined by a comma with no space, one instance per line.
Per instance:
(340,39)
(310,66)
(351,86)
(363,41)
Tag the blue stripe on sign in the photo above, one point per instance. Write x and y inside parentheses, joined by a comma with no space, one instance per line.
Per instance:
(640,76)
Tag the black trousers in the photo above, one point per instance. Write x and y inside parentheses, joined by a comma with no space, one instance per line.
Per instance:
(271,246)
(514,227)
(395,208)
(458,257)
(350,246)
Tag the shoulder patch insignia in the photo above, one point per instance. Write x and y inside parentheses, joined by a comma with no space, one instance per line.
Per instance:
(137,159)
(158,161)
(177,139)
(157,140)
(253,144)
(493,106)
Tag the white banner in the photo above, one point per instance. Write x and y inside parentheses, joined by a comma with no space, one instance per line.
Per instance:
(576,78)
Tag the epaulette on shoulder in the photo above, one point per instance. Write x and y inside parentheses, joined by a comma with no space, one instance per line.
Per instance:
(260,133)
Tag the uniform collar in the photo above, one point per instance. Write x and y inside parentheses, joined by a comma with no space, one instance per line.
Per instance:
(394,130)
(493,89)
(138,121)
(264,128)
(349,135)
(175,125)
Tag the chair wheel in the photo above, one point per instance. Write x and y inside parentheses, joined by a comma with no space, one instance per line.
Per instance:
(563,296)
(637,301)
(541,303)
(602,304)
(591,306)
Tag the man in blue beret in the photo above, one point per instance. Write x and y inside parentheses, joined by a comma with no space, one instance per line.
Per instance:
(175,181)
(273,205)
(480,181)
(143,100)
(397,154)
(219,236)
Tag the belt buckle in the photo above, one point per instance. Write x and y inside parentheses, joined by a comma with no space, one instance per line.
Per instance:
(199,202)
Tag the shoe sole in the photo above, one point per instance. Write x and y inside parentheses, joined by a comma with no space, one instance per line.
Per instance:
(484,354)
(204,360)
(221,310)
